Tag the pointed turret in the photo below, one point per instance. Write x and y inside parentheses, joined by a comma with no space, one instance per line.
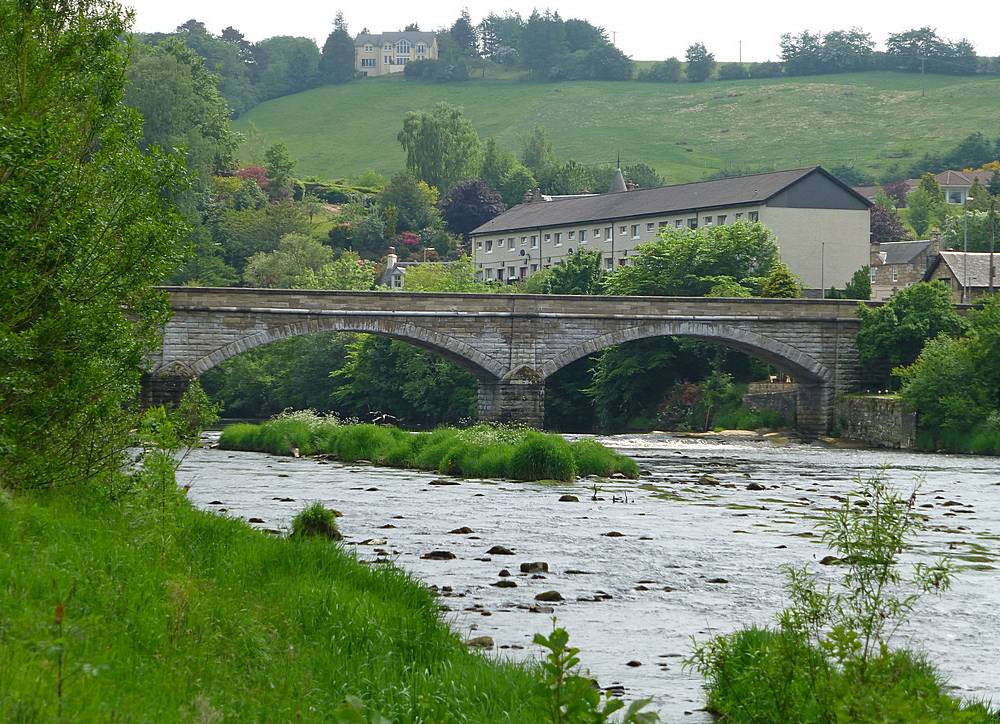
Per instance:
(618,182)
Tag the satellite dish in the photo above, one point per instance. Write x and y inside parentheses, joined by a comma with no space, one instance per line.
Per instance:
(522,252)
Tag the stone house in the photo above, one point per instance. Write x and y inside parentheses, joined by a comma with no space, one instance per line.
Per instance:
(895,265)
(970,271)
(954,185)
(385,53)
(822,226)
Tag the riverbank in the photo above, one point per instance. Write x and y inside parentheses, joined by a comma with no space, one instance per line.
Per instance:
(480,451)
(145,609)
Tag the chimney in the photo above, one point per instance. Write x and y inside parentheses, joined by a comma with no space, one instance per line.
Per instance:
(935,247)
(391,259)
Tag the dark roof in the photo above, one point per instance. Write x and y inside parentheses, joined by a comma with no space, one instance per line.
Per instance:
(902,252)
(414,36)
(978,267)
(736,191)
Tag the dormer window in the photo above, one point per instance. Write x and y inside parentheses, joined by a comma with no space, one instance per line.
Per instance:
(421,48)
(369,48)
(403,47)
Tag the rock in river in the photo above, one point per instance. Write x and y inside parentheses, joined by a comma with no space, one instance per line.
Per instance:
(549,596)
(438,556)
(535,567)
(755,486)
(568,499)
(464,530)
(505,583)
(480,642)
(500,551)
(613,534)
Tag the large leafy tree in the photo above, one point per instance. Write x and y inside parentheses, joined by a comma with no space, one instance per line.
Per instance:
(470,204)
(885,224)
(893,334)
(337,62)
(442,146)
(296,255)
(415,203)
(700,63)
(88,228)
(463,33)
(285,65)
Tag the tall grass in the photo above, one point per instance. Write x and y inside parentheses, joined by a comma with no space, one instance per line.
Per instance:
(482,451)
(197,617)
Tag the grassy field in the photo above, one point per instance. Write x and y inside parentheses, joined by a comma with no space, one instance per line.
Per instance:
(685,131)
(148,610)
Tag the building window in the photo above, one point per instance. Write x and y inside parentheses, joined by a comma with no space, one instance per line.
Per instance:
(367,62)
(693,223)
(635,231)
(534,242)
(609,233)
(547,238)
(895,274)
(500,274)
(572,236)
(388,46)
(609,263)
(534,268)
(955,197)
(510,242)
(739,214)
(720,219)
(650,226)
(708,221)
(369,48)
(678,223)
(489,246)
(753,216)
(622,230)
(403,47)
(663,224)
(873,273)
(597,234)
(511,273)
(400,60)
(583,236)
(421,48)
(479,245)
(558,239)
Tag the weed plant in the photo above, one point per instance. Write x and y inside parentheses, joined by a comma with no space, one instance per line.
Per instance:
(481,451)
(828,659)
(316,521)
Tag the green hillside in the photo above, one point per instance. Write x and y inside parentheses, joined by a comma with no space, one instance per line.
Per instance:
(685,131)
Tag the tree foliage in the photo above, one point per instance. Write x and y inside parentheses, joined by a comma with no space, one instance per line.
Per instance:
(700,63)
(296,255)
(336,65)
(469,205)
(442,146)
(894,334)
(781,283)
(89,228)
(886,225)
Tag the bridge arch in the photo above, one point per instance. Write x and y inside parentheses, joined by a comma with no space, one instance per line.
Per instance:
(481,365)
(783,356)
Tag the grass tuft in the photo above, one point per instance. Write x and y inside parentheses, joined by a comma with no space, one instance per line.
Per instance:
(316,521)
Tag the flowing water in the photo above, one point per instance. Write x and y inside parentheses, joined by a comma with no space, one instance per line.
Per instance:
(695,556)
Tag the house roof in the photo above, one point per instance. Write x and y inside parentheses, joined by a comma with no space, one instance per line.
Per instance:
(414,36)
(953,178)
(741,190)
(976,264)
(902,252)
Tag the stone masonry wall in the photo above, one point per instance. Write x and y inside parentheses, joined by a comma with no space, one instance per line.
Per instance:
(878,420)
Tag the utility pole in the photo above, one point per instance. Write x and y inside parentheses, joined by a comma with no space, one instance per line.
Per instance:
(965,250)
(922,77)
(741,52)
(993,236)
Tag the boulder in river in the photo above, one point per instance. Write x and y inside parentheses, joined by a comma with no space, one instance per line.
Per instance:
(505,583)
(755,486)
(535,567)
(613,534)
(707,479)
(444,481)
(500,551)
(549,596)
(568,499)
(438,556)
(480,642)
(718,580)
(464,530)
(504,573)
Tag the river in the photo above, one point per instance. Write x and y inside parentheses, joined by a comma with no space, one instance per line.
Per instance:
(641,597)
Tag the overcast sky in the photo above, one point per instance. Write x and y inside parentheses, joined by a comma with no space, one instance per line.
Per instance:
(645,30)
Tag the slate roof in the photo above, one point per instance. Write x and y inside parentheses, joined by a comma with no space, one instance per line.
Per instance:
(414,36)
(978,267)
(902,252)
(700,195)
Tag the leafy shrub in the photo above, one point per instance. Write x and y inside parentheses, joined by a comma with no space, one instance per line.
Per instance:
(592,458)
(542,457)
(733,71)
(316,521)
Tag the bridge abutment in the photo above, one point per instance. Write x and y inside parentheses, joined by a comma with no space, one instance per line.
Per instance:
(163,390)
(515,401)
(813,408)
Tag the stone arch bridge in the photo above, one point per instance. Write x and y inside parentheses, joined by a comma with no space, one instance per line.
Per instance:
(513,342)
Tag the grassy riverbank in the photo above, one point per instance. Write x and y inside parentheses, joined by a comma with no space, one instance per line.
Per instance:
(144,609)
(482,451)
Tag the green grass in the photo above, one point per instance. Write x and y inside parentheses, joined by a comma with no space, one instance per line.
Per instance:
(170,614)
(482,451)
(764,675)
(684,130)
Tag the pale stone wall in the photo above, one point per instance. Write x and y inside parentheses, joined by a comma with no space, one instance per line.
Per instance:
(878,420)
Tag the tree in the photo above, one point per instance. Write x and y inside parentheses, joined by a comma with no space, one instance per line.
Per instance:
(781,283)
(181,107)
(700,63)
(442,146)
(885,224)
(281,269)
(922,49)
(414,202)
(994,185)
(285,65)
(336,65)
(893,334)
(580,273)
(279,166)
(543,41)
(469,205)
(453,276)
(669,71)
(536,150)
(464,34)
(88,227)
(898,192)
(860,285)
(733,71)
(347,271)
